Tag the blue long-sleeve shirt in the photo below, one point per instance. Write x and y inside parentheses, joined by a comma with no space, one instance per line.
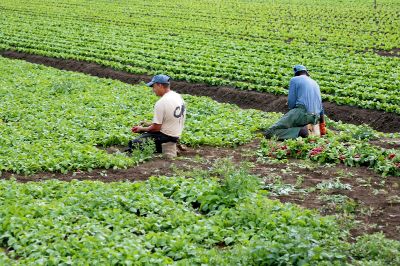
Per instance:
(303,90)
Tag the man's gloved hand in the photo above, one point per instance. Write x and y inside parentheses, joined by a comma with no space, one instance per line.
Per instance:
(136,129)
(322,125)
(322,128)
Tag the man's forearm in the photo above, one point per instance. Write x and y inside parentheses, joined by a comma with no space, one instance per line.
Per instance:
(152,128)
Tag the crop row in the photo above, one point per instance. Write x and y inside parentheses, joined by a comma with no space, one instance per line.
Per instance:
(194,42)
(54,120)
(193,219)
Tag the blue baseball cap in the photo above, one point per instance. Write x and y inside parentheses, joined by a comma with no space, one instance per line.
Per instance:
(163,79)
(298,68)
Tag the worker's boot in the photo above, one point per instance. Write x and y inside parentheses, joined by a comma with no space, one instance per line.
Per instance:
(169,149)
(309,130)
(313,130)
(303,132)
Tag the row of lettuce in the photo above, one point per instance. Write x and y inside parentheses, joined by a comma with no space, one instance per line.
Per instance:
(60,121)
(193,41)
(52,120)
(215,217)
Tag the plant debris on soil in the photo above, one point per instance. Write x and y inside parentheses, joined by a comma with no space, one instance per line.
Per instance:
(379,120)
(369,201)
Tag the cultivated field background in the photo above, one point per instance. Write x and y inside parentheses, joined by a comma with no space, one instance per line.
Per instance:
(70,196)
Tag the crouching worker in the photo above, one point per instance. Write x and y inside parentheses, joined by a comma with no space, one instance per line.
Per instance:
(305,109)
(168,120)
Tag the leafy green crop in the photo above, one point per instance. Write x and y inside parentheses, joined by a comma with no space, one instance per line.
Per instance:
(250,45)
(163,221)
(52,120)
(377,250)
(350,147)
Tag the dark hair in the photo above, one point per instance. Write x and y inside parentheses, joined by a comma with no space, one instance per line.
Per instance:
(165,85)
(301,72)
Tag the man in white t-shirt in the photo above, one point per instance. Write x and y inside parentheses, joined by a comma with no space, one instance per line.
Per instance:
(169,116)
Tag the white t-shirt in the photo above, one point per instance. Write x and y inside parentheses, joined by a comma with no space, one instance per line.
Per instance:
(170,112)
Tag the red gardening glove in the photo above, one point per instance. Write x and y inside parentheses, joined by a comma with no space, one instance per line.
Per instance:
(322,128)
(135,129)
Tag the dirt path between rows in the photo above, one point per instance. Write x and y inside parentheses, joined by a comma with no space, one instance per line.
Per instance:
(379,120)
(360,197)
(368,201)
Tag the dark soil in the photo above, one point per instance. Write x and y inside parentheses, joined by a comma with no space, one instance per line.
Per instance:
(373,205)
(379,120)
(395,52)
(386,143)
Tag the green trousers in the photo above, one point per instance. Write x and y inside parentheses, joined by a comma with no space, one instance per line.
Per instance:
(288,127)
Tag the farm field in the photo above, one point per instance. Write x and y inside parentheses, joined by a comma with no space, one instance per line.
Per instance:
(70,195)
(54,120)
(189,218)
(67,126)
(351,49)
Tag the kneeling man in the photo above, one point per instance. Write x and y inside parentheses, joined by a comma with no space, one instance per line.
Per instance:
(169,116)
(305,109)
